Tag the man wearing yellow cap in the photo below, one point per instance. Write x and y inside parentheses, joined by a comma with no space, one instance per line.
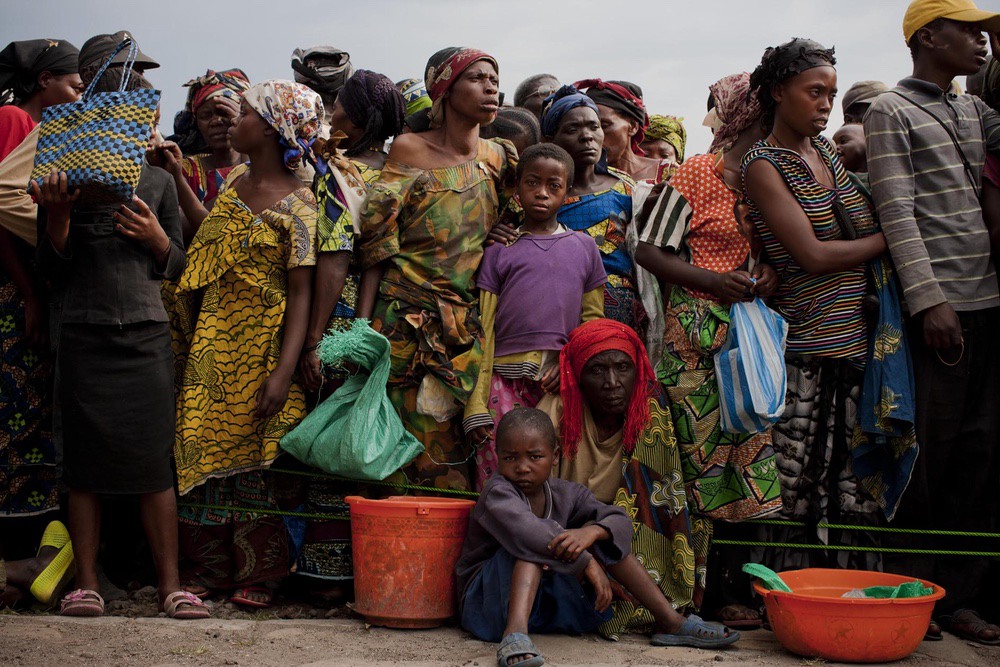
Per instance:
(926,150)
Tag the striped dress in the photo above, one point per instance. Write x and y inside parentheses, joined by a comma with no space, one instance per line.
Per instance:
(823,311)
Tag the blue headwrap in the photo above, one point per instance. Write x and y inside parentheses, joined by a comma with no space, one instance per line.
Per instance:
(558,104)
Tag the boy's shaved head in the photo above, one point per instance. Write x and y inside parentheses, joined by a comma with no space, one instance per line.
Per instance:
(521,420)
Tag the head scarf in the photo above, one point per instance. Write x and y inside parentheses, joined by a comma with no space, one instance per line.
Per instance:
(294,111)
(414,95)
(443,69)
(559,104)
(325,69)
(781,63)
(373,103)
(669,129)
(736,109)
(625,98)
(229,83)
(22,62)
(585,342)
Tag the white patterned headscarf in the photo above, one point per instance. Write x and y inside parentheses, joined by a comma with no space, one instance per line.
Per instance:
(294,111)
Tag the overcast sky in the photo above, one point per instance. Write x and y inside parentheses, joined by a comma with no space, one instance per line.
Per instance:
(672,48)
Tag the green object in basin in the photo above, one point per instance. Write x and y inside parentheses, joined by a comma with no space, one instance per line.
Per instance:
(355,432)
(768,577)
(911,589)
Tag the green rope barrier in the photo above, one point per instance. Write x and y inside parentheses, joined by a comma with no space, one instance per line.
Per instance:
(253,510)
(873,529)
(722,542)
(396,485)
(840,547)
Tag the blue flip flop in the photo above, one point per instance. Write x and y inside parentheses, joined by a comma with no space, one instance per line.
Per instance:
(517,644)
(696,633)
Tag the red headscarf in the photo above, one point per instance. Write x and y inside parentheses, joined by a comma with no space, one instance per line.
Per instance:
(585,342)
(622,99)
(443,70)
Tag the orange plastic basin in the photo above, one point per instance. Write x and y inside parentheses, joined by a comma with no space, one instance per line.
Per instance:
(815,621)
(404,552)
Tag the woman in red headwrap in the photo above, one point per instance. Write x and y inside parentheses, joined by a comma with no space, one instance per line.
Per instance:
(423,225)
(624,122)
(199,155)
(617,439)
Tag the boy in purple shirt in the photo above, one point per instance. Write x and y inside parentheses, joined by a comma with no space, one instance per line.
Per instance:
(535,556)
(534,290)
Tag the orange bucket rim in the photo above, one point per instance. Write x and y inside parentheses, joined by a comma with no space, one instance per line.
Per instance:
(937,594)
(412,501)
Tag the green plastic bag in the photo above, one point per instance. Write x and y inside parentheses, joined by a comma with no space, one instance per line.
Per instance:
(355,433)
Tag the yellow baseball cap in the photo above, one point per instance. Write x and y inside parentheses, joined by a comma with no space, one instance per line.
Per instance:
(922,12)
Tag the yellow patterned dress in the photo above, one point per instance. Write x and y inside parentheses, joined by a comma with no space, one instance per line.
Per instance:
(234,290)
(237,267)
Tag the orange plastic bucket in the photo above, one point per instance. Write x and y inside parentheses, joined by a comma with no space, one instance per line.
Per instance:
(404,552)
(815,621)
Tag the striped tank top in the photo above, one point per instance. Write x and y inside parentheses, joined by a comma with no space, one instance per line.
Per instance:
(824,312)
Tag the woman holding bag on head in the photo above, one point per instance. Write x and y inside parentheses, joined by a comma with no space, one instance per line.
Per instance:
(821,237)
(106,262)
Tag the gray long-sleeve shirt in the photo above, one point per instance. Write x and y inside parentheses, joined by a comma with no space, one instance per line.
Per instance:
(929,210)
(502,519)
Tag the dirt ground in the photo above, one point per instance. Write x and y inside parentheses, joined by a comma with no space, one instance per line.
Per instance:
(263,640)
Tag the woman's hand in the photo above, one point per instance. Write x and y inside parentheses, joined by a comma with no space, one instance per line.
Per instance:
(272,395)
(142,225)
(732,286)
(173,159)
(501,233)
(767,280)
(550,380)
(54,196)
(310,369)
(599,580)
(480,435)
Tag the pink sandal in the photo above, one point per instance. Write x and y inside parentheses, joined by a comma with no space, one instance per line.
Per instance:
(82,602)
(183,605)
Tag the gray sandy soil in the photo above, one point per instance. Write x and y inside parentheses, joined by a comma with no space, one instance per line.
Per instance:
(32,639)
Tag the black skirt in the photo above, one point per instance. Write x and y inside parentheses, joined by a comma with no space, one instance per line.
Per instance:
(117,396)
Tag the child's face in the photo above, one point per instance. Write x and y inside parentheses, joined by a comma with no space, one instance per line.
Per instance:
(542,189)
(526,458)
(850,142)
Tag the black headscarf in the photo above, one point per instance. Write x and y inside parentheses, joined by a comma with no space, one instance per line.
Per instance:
(373,103)
(22,62)
(781,63)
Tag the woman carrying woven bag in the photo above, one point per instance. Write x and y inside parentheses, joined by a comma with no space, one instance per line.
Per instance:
(106,262)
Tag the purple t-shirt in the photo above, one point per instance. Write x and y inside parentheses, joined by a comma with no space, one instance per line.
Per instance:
(539,282)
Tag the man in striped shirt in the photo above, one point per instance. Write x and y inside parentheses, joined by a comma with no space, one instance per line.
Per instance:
(926,150)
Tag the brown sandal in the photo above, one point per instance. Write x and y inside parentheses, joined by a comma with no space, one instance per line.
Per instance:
(739,617)
(968,624)
(933,633)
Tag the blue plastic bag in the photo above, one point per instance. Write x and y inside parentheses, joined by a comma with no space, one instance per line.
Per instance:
(750,368)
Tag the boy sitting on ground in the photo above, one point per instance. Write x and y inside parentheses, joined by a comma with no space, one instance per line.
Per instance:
(536,552)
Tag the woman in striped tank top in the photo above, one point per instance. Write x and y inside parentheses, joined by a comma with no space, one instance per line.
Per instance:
(818,233)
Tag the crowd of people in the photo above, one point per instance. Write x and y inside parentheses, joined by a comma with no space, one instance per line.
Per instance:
(554,280)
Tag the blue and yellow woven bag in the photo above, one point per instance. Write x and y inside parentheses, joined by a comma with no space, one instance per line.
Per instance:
(100,140)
